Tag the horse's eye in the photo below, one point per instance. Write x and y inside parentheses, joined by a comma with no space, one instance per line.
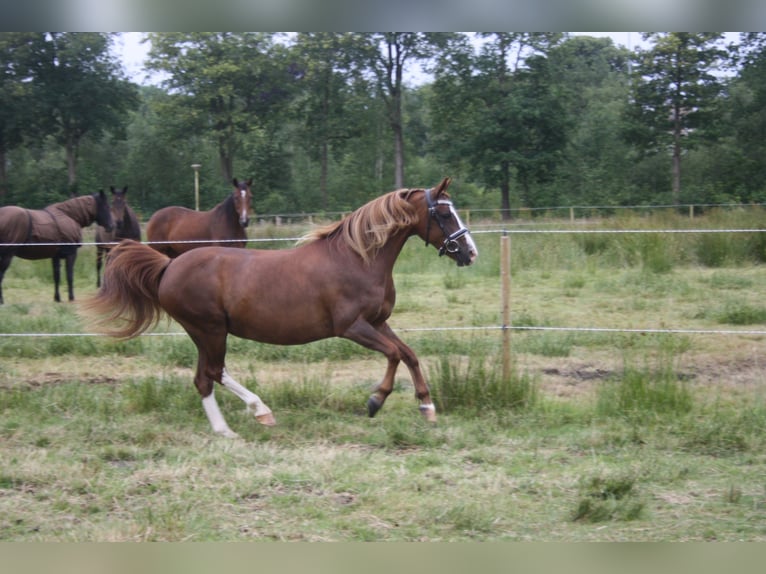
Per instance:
(446,216)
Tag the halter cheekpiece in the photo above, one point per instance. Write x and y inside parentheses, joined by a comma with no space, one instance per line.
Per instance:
(450,244)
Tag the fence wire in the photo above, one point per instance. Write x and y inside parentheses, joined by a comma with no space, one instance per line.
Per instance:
(501,231)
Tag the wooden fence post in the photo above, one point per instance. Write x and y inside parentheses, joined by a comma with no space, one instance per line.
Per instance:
(505,273)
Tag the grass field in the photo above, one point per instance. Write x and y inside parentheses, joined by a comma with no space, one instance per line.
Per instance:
(598,435)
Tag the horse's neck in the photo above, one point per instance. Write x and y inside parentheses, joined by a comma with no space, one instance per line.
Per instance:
(226,209)
(383,261)
(80,209)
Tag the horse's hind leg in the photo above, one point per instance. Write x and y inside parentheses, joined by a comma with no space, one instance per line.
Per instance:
(210,368)
(5,262)
(254,403)
(70,259)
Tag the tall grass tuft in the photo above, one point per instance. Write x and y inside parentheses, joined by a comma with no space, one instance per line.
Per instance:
(639,393)
(312,393)
(477,385)
(608,498)
(725,429)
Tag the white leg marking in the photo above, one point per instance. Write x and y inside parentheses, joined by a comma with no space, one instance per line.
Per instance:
(253,401)
(428,407)
(215,417)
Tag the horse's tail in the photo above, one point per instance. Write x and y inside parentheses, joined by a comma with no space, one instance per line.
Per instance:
(127,303)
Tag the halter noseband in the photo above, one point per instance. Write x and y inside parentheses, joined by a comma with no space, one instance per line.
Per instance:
(450,244)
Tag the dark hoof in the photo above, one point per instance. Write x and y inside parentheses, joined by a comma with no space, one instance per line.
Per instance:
(373,406)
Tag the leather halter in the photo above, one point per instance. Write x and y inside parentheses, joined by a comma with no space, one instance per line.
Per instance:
(450,244)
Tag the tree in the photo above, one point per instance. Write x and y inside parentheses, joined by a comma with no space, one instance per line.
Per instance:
(83,91)
(224,85)
(674,89)
(746,117)
(16,98)
(592,76)
(323,104)
(386,56)
(500,111)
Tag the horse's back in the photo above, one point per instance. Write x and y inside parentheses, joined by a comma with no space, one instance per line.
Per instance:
(178,225)
(283,296)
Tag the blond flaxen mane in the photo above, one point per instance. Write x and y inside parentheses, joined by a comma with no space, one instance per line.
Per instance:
(368,228)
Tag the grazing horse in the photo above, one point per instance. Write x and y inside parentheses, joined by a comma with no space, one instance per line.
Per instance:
(170,227)
(126,226)
(55,232)
(337,282)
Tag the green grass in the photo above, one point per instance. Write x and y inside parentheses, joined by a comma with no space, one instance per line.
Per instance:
(593,436)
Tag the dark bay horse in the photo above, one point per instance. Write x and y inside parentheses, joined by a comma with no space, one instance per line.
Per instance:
(126,226)
(170,226)
(337,282)
(55,231)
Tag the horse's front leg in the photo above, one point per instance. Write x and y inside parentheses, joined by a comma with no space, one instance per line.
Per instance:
(99,261)
(422,392)
(56,262)
(383,340)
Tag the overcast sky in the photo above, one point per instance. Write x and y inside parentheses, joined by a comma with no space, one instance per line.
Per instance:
(133,53)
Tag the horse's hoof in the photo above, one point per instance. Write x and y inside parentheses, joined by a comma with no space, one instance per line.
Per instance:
(428,412)
(373,406)
(267,419)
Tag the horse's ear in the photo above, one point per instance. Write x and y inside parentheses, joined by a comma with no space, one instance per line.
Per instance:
(124,190)
(235,182)
(111,187)
(101,194)
(249,182)
(442,187)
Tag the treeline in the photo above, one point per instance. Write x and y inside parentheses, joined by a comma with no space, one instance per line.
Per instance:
(325,121)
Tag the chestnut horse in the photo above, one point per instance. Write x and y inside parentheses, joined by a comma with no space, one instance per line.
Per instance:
(126,226)
(174,230)
(337,282)
(54,232)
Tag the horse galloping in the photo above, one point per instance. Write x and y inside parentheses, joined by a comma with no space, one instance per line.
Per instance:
(337,282)
(126,226)
(170,227)
(54,232)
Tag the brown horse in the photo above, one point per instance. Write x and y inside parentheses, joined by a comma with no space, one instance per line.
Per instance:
(336,283)
(55,232)
(126,226)
(174,230)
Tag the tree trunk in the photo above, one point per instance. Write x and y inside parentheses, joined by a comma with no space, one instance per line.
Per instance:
(505,191)
(398,155)
(71,165)
(3,178)
(323,174)
(677,155)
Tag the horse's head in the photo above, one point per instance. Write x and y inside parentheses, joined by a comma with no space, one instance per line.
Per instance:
(243,200)
(103,212)
(118,206)
(444,228)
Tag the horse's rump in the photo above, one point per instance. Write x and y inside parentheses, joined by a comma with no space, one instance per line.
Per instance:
(38,226)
